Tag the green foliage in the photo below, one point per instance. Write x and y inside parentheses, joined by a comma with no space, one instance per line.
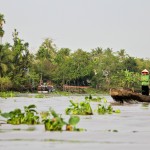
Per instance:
(47,50)
(14,117)
(74,120)
(82,108)
(44,67)
(94,99)
(29,116)
(39,96)
(5,83)
(7,94)
(54,122)
(5,60)
(105,108)
(82,65)
(2,20)
(101,68)
(130,64)
(21,61)
(44,115)
(1,32)
(127,79)
(61,72)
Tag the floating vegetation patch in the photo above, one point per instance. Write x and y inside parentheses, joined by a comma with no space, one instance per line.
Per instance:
(7,94)
(52,121)
(40,96)
(31,129)
(55,122)
(106,108)
(84,107)
(113,130)
(145,105)
(16,117)
(93,99)
(81,108)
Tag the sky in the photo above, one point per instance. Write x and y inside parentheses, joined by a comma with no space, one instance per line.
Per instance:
(85,24)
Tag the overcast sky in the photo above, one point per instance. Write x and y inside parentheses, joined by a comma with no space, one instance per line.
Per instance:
(85,24)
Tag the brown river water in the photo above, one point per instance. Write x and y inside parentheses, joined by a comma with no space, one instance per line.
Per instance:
(128,130)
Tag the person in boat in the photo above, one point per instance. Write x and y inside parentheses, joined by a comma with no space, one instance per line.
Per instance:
(145,82)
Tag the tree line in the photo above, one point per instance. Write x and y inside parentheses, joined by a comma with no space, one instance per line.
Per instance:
(102,69)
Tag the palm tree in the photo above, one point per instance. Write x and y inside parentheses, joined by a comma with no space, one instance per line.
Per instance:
(5,60)
(2,20)
(47,50)
(21,55)
(122,55)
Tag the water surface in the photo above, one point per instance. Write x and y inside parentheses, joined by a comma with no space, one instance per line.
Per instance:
(128,130)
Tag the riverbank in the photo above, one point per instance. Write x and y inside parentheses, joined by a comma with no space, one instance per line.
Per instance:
(50,94)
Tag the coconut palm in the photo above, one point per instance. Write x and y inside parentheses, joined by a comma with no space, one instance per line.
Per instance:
(2,20)
(5,60)
(47,50)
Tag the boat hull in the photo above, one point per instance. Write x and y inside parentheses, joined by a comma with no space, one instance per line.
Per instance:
(121,95)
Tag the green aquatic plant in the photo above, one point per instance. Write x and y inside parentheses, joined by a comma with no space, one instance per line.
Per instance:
(44,114)
(71,125)
(79,108)
(93,99)
(84,107)
(55,122)
(39,96)
(7,94)
(145,105)
(16,116)
(30,115)
(52,121)
(113,130)
(106,108)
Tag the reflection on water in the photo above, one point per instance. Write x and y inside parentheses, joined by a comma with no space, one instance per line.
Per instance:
(145,105)
(128,130)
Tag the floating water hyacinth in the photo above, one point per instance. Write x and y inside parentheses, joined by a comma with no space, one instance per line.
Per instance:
(79,108)
(54,122)
(29,116)
(106,108)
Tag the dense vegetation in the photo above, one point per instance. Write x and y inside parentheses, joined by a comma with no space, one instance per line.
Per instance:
(20,70)
(54,121)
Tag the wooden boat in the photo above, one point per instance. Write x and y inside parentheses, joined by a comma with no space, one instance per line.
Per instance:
(127,95)
(71,88)
(45,89)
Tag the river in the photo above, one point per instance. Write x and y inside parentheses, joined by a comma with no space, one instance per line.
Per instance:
(128,130)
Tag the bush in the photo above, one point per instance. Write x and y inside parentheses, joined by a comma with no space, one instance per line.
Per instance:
(5,83)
